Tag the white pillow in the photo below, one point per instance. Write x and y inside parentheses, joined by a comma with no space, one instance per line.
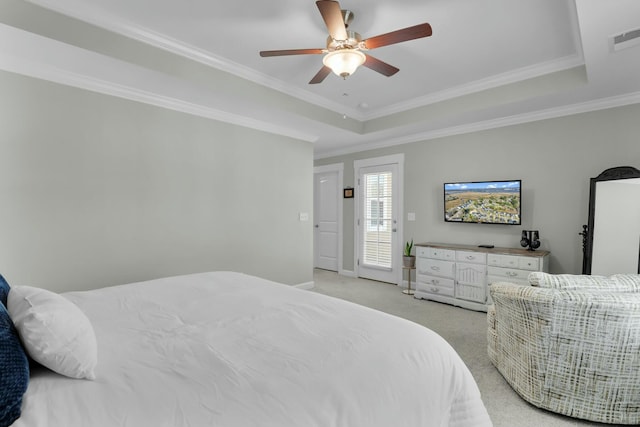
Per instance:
(54,331)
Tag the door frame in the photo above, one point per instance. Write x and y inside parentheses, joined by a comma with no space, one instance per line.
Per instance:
(339,168)
(397,159)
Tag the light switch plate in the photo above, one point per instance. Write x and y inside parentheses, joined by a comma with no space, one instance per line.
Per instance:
(411,216)
(303,216)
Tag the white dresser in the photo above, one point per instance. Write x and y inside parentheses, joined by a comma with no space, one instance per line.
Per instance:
(460,274)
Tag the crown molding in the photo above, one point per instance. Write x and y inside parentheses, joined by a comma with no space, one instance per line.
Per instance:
(28,54)
(546,114)
(144,35)
(39,57)
(514,76)
(114,24)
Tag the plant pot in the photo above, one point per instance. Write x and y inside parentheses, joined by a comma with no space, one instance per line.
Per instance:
(409,261)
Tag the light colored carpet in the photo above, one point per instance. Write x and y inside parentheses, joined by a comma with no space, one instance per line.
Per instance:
(464,329)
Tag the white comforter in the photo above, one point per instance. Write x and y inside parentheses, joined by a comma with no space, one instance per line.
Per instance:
(226,349)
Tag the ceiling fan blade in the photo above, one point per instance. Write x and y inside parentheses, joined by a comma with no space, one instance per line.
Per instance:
(266,53)
(403,35)
(380,66)
(332,15)
(321,75)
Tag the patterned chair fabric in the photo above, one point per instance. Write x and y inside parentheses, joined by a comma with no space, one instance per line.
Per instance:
(570,350)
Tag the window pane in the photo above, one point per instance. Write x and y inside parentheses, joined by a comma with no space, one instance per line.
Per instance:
(378,219)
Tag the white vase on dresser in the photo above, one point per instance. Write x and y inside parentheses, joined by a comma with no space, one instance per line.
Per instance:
(460,274)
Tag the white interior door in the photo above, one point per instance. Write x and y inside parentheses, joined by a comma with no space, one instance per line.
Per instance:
(327,216)
(379,221)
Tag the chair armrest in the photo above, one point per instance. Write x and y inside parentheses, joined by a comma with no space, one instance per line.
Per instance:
(614,283)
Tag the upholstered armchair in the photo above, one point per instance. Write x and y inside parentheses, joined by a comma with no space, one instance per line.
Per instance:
(570,344)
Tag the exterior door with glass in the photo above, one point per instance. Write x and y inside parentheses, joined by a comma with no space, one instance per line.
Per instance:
(378,254)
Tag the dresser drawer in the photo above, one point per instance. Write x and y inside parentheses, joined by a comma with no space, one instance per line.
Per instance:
(437,253)
(472,257)
(503,260)
(422,252)
(515,281)
(436,267)
(508,274)
(529,263)
(435,285)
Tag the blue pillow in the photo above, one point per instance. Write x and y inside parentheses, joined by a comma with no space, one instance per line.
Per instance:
(4,290)
(14,370)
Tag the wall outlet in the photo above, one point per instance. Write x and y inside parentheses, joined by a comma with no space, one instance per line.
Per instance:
(411,216)
(303,216)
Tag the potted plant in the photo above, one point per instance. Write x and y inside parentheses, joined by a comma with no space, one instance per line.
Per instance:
(408,259)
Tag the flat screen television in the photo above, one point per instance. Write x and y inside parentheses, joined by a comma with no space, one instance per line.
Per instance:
(483,202)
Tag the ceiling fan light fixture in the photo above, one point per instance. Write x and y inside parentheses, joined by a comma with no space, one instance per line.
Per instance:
(343,52)
(344,62)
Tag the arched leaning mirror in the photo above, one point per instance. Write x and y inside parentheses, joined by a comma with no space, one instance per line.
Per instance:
(612,237)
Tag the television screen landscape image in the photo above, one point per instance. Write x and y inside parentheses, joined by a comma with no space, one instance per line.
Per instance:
(486,202)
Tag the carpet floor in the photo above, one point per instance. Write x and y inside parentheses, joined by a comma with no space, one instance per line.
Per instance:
(465,330)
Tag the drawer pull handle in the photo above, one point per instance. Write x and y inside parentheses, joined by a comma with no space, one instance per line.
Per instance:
(435,281)
(434,268)
(434,290)
(511,274)
(470,257)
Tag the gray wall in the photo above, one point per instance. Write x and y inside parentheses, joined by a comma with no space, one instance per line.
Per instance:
(554,158)
(99,191)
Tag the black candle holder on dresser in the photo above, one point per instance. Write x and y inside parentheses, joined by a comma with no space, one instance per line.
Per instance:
(530,238)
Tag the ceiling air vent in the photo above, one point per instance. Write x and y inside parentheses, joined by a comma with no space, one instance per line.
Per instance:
(625,40)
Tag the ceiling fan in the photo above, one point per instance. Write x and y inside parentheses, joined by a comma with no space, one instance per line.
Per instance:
(344,51)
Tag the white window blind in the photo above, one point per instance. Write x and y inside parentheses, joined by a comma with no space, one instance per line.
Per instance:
(378,220)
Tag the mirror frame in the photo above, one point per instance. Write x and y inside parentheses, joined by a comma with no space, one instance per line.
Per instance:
(611,174)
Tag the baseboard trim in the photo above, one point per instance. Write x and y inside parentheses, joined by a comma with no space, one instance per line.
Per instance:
(305,286)
(347,273)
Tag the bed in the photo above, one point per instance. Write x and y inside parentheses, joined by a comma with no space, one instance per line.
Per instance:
(228,349)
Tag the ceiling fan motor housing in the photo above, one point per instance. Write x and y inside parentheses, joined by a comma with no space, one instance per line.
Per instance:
(353,41)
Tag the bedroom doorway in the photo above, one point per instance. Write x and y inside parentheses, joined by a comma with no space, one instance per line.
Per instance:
(327,217)
(379,218)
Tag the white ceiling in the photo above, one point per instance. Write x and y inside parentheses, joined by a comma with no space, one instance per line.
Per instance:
(488,63)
